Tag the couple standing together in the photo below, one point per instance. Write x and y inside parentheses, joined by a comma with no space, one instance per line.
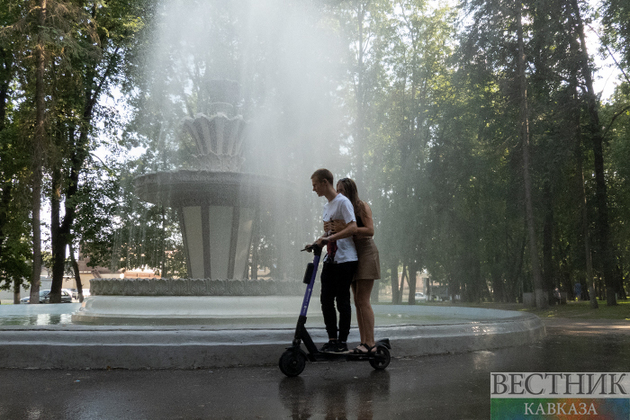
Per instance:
(351,261)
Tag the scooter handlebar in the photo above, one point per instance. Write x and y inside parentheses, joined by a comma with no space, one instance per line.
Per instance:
(313,248)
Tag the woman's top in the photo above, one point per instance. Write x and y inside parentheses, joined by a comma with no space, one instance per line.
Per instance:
(369,267)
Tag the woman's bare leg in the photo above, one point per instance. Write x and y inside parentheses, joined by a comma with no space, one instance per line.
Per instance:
(362,289)
(359,313)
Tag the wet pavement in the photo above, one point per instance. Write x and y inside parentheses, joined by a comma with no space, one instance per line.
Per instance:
(432,387)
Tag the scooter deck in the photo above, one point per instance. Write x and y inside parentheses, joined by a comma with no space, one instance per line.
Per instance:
(349,357)
(315,355)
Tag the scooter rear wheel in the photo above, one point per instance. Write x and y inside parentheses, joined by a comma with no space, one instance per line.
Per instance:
(383,360)
(292,362)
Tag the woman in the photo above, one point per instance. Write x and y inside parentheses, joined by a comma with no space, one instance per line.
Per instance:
(369,268)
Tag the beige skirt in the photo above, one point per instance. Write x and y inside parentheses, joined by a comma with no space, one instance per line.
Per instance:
(369,267)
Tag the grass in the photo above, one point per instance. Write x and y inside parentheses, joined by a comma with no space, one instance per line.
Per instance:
(578,310)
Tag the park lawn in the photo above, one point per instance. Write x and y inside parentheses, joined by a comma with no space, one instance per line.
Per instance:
(581,310)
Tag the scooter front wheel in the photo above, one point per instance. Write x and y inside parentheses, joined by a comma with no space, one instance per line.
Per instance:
(292,362)
(382,359)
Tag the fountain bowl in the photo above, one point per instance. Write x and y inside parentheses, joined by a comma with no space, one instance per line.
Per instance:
(196,187)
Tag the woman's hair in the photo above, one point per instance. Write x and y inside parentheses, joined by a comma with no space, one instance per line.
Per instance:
(351,193)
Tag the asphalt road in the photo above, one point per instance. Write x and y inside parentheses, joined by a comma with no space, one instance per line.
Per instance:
(432,387)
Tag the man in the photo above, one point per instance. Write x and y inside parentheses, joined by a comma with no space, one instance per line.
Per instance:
(340,262)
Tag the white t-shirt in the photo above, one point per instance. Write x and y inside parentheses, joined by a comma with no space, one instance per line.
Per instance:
(340,208)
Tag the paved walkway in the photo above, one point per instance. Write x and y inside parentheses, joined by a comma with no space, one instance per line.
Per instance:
(577,326)
(427,387)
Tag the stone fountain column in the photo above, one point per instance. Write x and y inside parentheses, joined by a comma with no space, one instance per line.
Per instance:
(217,231)
(222,253)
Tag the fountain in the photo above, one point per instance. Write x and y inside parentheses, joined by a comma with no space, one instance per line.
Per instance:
(217,317)
(218,207)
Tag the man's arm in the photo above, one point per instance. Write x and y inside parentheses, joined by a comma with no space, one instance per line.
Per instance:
(349,230)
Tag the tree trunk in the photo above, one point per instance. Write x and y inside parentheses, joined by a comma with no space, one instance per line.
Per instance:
(77,275)
(16,292)
(163,272)
(6,63)
(549,276)
(58,244)
(5,199)
(38,145)
(590,281)
(405,275)
(375,292)
(601,194)
(516,269)
(540,295)
(413,278)
(394,282)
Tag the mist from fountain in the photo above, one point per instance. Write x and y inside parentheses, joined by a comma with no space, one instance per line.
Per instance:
(240,169)
(287,59)
(219,209)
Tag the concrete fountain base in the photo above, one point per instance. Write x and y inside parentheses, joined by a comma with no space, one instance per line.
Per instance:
(45,337)
(224,311)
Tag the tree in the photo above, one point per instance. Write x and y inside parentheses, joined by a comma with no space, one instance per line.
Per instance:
(541,299)
(38,144)
(594,132)
(103,36)
(15,245)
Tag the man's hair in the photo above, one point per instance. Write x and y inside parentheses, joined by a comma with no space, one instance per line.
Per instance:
(323,175)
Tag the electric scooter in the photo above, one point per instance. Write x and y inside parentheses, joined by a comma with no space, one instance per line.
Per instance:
(293,360)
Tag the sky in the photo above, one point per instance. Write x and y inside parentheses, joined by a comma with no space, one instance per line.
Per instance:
(607,75)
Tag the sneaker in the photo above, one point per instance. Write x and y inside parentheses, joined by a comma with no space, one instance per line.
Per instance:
(340,347)
(329,347)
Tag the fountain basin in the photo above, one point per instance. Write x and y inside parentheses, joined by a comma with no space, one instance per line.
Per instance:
(413,330)
(227,311)
(193,287)
(201,187)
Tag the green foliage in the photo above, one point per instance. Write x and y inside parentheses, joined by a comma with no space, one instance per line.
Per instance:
(618,136)
(616,20)
(15,242)
(418,103)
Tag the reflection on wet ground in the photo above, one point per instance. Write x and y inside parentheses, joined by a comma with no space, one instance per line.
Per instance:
(40,315)
(40,319)
(431,387)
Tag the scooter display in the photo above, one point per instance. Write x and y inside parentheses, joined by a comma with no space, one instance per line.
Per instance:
(293,360)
